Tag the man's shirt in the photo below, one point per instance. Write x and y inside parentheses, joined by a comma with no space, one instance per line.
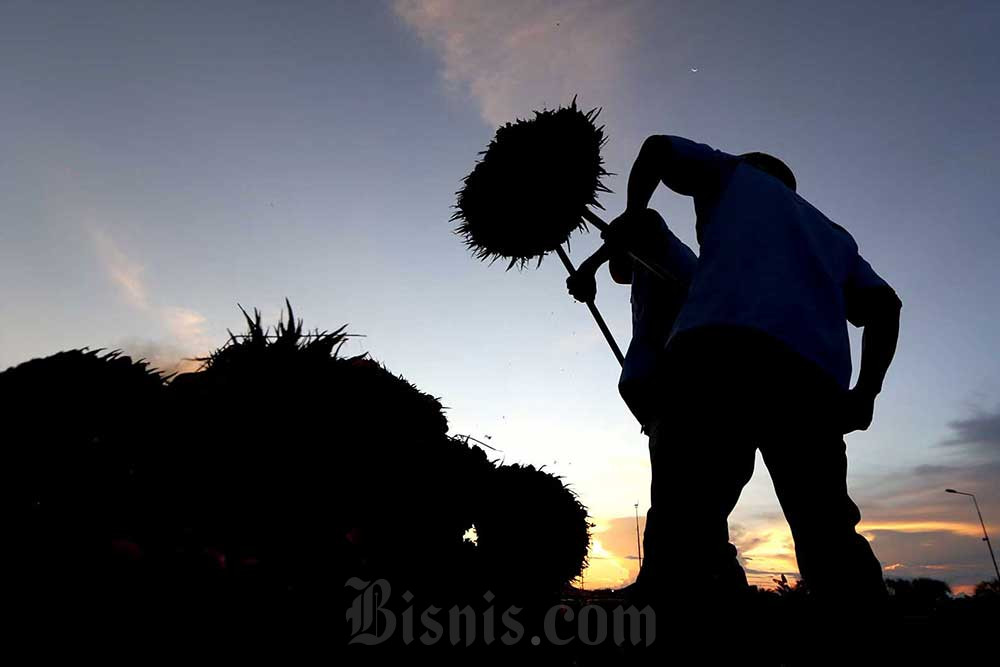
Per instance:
(655,305)
(770,261)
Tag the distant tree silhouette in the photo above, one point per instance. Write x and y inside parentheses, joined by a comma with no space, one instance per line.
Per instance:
(919,588)
(783,588)
(987,589)
(918,596)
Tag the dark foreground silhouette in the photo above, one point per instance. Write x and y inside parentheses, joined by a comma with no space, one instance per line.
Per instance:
(287,491)
(257,486)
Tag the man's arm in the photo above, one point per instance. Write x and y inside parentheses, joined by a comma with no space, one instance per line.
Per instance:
(878,347)
(686,167)
(582,285)
(646,172)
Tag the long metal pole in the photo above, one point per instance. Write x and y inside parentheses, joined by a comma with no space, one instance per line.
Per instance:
(593,310)
(638,541)
(986,536)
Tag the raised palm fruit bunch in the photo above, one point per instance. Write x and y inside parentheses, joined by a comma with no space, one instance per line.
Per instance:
(535,179)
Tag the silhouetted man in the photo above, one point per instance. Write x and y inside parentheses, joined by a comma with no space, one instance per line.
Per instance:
(759,358)
(655,305)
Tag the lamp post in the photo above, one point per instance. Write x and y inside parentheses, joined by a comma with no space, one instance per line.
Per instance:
(986,536)
(638,540)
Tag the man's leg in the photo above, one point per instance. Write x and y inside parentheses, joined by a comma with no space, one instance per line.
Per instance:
(700,464)
(809,471)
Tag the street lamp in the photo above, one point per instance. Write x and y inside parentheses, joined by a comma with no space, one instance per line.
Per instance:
(638,540)
(986,536)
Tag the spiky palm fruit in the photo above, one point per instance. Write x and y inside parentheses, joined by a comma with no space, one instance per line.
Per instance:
(534,535)
(76,427)
(528,192)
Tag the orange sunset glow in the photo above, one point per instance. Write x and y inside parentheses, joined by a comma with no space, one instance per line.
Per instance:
(768,550)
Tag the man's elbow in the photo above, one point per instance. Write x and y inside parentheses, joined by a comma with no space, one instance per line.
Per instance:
(889,309)
(894,305)
(874,306)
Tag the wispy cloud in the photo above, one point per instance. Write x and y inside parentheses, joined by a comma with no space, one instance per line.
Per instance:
(183,327)
(766,551)
(123,271)
(164,356)
(518,55)
(612,562)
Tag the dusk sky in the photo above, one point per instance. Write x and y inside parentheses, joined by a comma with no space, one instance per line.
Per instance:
(161,162)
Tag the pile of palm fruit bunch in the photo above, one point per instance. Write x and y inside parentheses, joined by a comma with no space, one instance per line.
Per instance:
(539,516)
(311,466)
(76,429)
(268,477)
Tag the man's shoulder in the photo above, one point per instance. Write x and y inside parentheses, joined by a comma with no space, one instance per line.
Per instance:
(823,223)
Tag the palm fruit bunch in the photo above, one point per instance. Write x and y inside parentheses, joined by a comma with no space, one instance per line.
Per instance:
(529,191)
(305,462)
(535,540)
(77,426)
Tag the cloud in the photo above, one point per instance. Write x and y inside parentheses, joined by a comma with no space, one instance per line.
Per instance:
(918,530)
(515,56)
(766,552)
(931,470)
(959,528)
(960,560)
(164,357)
(124,272)
(613,560)
(184,327)
(606,568)
(980,433)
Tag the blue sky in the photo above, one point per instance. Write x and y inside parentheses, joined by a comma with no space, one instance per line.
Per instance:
(160,162)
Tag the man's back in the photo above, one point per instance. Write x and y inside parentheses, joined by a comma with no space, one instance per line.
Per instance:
(772,262)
